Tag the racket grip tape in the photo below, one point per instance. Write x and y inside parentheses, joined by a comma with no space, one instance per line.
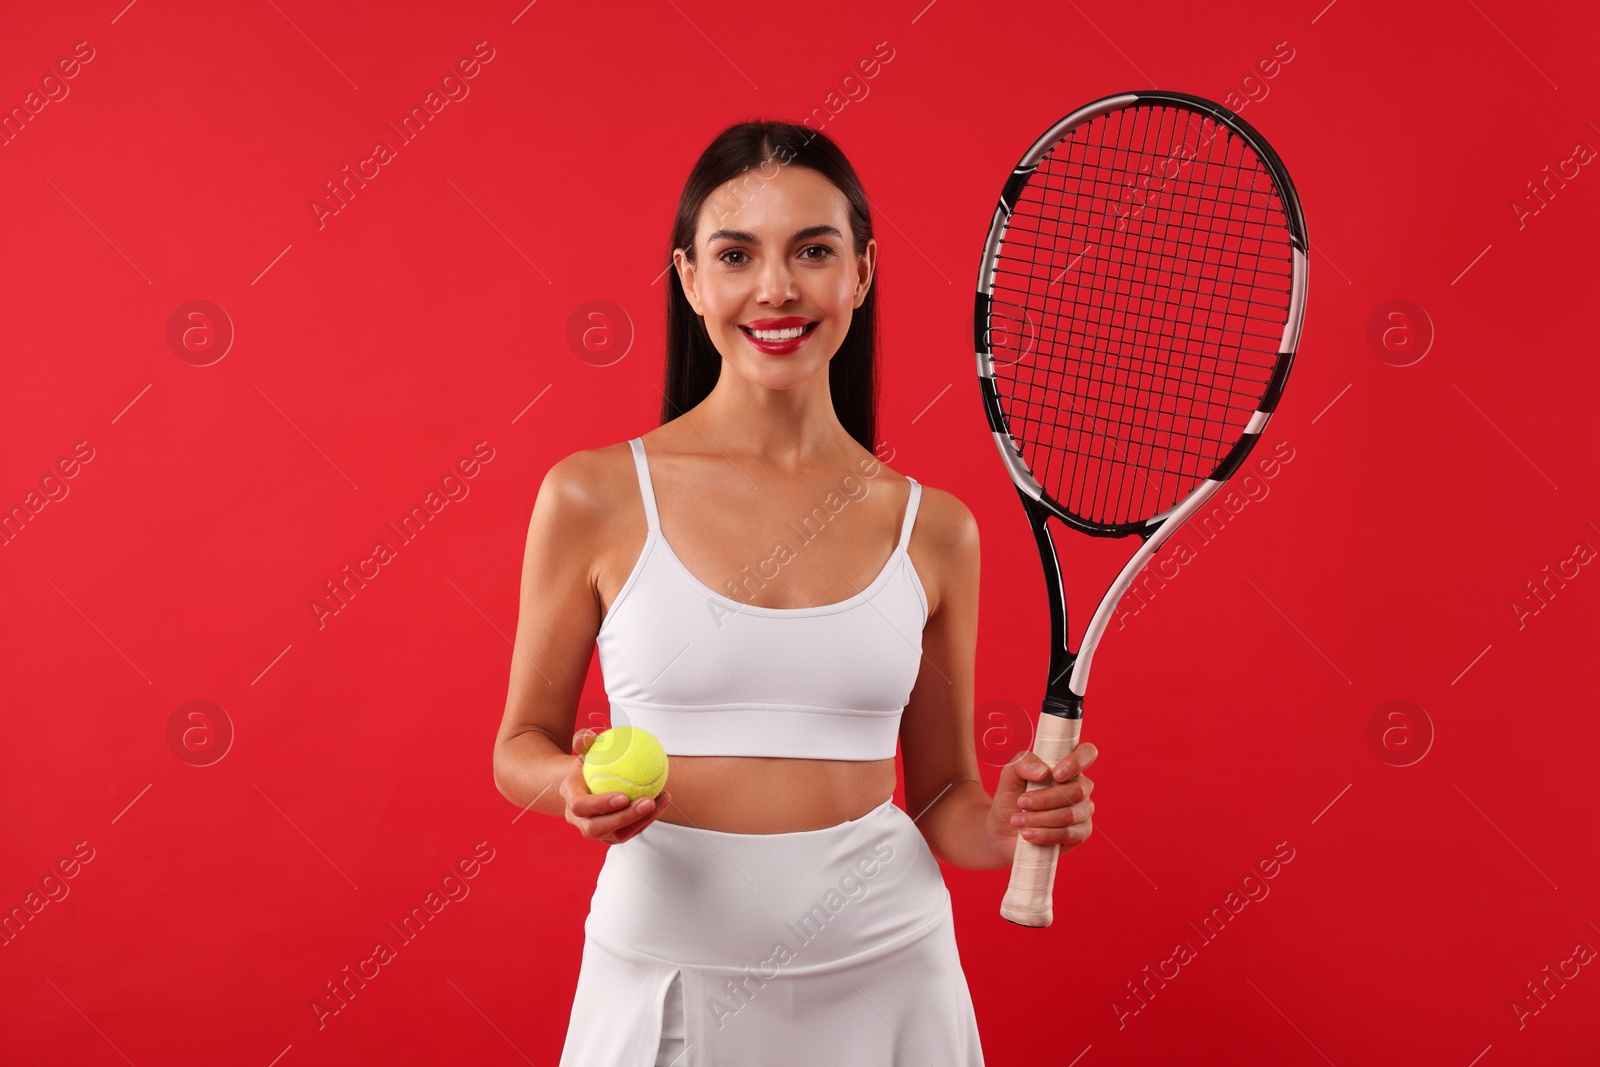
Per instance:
(1033,869)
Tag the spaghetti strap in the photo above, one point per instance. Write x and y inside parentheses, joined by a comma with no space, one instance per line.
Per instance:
(646,490)
(911,513)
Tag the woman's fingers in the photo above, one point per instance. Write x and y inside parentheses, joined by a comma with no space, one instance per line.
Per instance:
(595,805)
(1074,791)
(1063,816)
(1070,825)
(1033,769)
(634,828)
(1075,762)
(602,818)
(630,820)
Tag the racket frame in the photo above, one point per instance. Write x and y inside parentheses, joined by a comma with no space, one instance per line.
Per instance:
(1029,897)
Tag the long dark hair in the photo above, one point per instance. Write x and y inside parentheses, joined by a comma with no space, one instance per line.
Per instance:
(693,362)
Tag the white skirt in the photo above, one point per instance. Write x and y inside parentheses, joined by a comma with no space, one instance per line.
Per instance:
(830,946)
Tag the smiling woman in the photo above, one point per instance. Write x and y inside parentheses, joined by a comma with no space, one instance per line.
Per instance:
(717,933)
(766,208)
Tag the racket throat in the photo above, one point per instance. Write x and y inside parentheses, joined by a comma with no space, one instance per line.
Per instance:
(1068,707)
(1059,699)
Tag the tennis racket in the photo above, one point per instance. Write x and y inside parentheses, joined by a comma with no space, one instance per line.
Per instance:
(1139,305)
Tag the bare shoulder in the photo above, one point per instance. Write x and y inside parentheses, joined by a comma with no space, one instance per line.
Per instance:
(598,513)
(588,480)
(586,497)
(948,524)
(945,538)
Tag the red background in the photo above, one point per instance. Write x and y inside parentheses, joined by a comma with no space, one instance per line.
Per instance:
(431,313)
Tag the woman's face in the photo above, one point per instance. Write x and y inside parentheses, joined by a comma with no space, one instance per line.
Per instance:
(774,257)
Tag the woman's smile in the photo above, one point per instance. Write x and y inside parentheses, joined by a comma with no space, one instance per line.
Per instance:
(778,337)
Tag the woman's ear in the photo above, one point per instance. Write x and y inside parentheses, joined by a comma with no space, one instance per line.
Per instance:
(680,260)
(866,265)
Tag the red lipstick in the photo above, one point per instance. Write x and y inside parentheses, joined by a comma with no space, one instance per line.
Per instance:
(778,346)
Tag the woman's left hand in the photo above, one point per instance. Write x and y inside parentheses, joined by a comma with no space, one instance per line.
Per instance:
(1055,814)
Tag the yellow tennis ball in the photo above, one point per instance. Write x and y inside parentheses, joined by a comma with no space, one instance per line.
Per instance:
(627,760)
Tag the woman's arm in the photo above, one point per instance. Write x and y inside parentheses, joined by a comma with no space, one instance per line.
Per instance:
(944,789)
(963,825)
(557,619)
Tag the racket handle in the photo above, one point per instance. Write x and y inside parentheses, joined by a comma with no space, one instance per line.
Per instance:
(1033,870)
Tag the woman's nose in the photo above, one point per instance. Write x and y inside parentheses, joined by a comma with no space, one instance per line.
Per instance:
(776,284)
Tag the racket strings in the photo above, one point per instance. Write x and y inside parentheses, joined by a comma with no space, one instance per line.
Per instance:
(1204,370)
(1112,490)
(1011,268)
(1141,262)
(1119,419)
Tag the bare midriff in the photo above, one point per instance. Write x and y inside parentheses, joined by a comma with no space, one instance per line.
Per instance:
(771,795)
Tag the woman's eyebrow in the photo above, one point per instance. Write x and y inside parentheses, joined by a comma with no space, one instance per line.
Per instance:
(799,235)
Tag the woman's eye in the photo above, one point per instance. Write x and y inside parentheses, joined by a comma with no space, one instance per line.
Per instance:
(805,253)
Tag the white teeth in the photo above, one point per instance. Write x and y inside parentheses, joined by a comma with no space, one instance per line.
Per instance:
(778,335)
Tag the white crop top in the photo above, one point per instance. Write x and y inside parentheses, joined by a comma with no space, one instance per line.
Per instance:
(712,676)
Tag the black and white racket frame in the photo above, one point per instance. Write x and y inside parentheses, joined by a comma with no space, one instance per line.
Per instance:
(1069,671)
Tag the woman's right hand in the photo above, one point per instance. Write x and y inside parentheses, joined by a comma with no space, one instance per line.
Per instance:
(604,816)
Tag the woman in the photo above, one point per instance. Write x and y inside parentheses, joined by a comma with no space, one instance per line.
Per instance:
(773,906)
